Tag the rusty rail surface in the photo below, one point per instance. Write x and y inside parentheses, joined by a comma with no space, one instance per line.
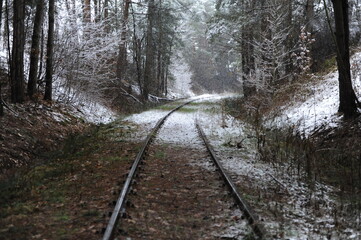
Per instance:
(252,218)
(119,208)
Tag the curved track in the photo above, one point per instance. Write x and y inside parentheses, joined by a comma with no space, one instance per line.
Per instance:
(119,208)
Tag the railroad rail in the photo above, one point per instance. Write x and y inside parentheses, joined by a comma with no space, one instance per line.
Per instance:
(119,208)
(252,218)
(121,202)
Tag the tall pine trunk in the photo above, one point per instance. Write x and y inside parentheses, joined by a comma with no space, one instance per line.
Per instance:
(1,12)
(49,54)
(34,54)
(17,60)
(348,99)
(1,102)
(149,61)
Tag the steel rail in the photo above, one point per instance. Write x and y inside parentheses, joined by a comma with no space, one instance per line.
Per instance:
(252,218)
(119,208)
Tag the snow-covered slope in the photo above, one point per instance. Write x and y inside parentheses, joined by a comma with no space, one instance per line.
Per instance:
(84,107)
(320,108)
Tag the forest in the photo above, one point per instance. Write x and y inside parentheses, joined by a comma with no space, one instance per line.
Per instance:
(115,51)
(275,83)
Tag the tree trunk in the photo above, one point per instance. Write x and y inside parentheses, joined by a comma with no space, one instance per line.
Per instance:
(348,99)
(106,16)
(248,59)
(17,61)
(149,62)
(1,12)
(49,54)
(160,49)
(310,15)
(289,41)
(1,104)
(86,11)
(41,54)
(96,11)
(122,56)
(7,30)
(137,49)
(34,54)
(74,7)
(247,63)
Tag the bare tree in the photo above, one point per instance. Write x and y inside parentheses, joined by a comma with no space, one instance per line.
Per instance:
(271,53)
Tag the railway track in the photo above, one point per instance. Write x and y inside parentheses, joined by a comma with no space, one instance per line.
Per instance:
(179,187)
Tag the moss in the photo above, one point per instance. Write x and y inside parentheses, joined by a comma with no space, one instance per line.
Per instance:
(161,155)
(61,216)
(91,213)
(329,65)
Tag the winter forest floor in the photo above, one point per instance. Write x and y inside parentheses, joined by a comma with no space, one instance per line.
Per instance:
(294,159)
(69,194)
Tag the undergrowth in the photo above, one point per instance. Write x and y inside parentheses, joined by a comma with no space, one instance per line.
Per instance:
(67,187)
(330,156)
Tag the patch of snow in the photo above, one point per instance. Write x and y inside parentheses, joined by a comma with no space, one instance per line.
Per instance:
(96,113)
(146,120)
(183,121)
(59,117)
(300,212)
(84,107)
(289,207)
(179,129)
(320,109)
(237,229)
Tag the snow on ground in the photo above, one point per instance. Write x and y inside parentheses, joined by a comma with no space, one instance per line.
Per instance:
(95,113)
(183,125)
(84,107)
(319,109)
(148,119)
(288,207)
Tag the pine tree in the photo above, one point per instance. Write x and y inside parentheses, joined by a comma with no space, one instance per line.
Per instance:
(348,99)
(49,54)
(34,54)
(149,62)
(17,59)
